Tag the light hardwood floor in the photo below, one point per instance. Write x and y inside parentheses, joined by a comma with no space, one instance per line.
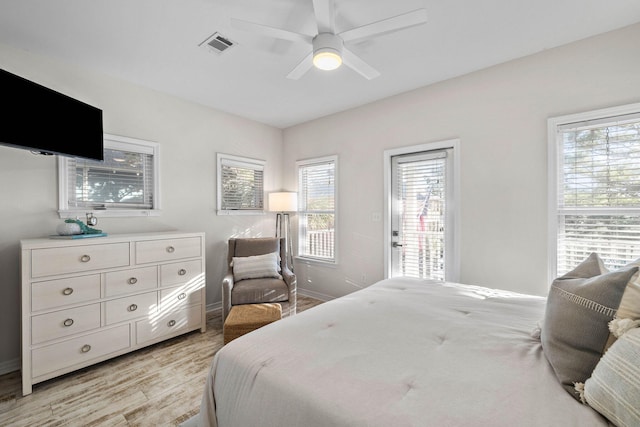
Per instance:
(160,385)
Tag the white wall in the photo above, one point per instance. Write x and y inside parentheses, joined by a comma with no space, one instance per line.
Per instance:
(500,116)
(189,135)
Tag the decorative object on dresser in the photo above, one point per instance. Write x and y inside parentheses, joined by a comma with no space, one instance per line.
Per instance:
(86,301)
(76,229)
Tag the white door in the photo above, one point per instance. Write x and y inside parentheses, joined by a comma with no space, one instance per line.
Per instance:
(421,222)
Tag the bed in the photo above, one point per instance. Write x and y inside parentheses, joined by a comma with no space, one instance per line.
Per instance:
(441,354)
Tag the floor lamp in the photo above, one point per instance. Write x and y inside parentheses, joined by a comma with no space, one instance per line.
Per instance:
(283,203)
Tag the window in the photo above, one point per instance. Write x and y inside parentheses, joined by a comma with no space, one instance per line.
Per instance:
(595,188)
(124,184)
(240,185)
(317,203)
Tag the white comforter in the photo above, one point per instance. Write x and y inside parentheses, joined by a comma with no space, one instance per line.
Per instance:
(402,352)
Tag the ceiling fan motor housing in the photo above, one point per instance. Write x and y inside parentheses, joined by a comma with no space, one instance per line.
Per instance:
(327,45)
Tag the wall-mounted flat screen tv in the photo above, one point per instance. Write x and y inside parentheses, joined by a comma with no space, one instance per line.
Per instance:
(42,120)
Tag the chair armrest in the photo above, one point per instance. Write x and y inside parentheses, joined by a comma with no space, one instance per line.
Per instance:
(227,286)
(292,283)
(289,277)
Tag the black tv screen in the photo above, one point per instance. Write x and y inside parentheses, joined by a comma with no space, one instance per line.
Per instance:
(40,119)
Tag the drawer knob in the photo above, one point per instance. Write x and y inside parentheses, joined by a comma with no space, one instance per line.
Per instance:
(182,272)
(171,249)
(67,291)
(132,281)
(171,323)
(182,296)
(86,348)
(133,307)
(85,258)
(68,322)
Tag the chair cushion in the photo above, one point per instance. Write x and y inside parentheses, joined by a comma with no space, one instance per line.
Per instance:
(256,246)
(255,291)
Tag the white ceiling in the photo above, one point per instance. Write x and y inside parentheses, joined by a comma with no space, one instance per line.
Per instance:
(154,43)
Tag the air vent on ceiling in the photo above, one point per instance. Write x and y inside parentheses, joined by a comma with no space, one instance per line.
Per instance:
(217,43)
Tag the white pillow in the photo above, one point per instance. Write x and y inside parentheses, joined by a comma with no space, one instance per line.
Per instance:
(614,387)
(630,304)
(256,267)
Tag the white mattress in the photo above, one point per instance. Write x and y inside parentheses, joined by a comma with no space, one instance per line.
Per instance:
(402,352)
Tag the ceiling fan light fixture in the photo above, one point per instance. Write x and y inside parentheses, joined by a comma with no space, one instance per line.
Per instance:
(327,59)
(327,51)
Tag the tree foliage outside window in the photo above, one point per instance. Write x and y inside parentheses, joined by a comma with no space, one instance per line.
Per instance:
(117,182)
(124,184)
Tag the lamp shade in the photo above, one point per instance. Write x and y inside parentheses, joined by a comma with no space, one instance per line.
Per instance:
(283,202)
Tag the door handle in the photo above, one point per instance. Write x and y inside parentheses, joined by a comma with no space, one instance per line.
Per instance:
(396,245)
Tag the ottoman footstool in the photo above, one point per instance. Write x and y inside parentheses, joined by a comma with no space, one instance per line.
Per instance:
(245,318)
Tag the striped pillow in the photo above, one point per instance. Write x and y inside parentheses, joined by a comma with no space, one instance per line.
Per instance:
(614,387)
(256,267)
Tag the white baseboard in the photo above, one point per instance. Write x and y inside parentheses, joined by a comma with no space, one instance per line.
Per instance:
(316,295)
(215,306)
(9,366)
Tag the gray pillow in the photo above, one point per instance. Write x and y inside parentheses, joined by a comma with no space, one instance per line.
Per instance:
(579,307)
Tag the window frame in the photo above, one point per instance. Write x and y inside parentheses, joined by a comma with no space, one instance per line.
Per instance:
(114,142)
(554,124)
(303,257)
(250,163)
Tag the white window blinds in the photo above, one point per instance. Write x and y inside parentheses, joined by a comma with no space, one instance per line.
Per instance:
(241,184)
(420,209)
(598,190)
(124,180)
(317,215)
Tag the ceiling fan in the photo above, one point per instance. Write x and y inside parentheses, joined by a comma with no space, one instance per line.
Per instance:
(328,47)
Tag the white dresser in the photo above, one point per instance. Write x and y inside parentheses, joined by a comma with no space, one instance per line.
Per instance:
(88,300)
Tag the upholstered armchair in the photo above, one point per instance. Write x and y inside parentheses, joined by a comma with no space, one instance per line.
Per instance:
(244,288)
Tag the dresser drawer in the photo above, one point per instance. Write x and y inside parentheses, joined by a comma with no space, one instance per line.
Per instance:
(180,296)
(79,350)
(168,249)
(72,259)
(121,309)
(62,323)
(171,323)
(138,279)
(61,292)
(181,272)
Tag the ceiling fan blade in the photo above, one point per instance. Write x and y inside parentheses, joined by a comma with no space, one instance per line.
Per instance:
(354,62)
(300,69)
(406,20)
(268,31)
(323,10)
